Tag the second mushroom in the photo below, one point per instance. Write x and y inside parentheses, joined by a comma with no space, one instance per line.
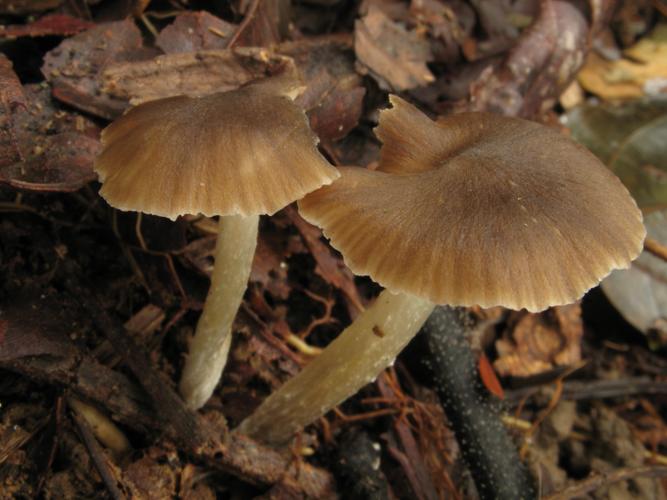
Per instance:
(475,209)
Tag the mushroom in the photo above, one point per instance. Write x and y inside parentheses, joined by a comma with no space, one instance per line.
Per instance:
(475,209)
(236,154)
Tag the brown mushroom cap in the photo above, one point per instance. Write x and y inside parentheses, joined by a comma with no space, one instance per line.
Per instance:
(479,209)
(245,152)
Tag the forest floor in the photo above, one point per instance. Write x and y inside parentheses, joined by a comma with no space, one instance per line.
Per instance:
(97,305)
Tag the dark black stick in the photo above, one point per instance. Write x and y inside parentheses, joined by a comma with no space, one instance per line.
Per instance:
(358,470)
(97,455)
(487,449)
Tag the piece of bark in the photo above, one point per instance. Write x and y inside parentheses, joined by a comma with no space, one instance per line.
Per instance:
(393,55)
(73,68)
(485,445)
(194,74)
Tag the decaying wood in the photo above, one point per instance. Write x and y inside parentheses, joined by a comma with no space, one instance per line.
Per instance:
(191,73)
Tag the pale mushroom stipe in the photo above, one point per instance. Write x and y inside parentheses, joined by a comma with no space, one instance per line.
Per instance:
(235,154)
(475,209)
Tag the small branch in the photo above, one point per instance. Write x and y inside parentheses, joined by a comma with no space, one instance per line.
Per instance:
(98,458)
(244,24)
(485,445)
(656,248)
(596,481)
(596,389)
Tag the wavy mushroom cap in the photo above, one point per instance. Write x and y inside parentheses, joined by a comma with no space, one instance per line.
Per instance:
(479,209)
(245,152)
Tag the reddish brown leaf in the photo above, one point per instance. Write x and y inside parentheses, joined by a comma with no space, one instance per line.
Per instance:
(334,92)
(11,91)
(449,25)
(53,150)
(56,163)
(489,378)
(49,25)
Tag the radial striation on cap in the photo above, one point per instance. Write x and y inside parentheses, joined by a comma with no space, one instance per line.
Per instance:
(242,152)
(479,209)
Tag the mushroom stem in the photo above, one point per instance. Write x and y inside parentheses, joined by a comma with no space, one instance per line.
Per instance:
(234,252)
(351,361)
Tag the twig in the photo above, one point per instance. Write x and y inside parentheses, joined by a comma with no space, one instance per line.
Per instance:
(596,481)
(656,248)
(98,458)
(244,24)
(54,430)
(485,445)
(597,389)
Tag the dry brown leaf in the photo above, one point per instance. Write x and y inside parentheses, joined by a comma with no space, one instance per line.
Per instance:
(542,63)
(643,70)
(541,342)
(42,148)
(395,56)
